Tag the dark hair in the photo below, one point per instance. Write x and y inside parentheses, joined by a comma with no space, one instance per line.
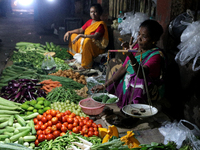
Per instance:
(98,8)
(154,28)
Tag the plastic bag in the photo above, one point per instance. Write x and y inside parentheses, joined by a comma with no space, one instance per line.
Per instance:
(48,64)
(78,57)
(179,24)
(190,45)
(180,132)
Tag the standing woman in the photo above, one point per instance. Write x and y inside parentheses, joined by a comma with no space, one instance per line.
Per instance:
(148,57)
(91,39)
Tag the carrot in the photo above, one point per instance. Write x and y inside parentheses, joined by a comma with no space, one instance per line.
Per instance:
(46,89)
(45,81)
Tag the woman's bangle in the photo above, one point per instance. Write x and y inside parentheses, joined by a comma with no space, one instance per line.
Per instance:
(85,36)
(103,85)
(134,64)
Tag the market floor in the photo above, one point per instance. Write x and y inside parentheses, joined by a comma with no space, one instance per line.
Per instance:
(21,26)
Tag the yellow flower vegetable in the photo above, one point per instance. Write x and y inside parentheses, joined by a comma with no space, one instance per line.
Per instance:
(106,134)
(130,140)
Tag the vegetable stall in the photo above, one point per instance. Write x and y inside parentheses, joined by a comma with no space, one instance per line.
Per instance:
(40,109)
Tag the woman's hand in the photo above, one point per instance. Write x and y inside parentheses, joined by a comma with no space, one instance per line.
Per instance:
(125,45)
(77,37)
(66,36)
(97,88)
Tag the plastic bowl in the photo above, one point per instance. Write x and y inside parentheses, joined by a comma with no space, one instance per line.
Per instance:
(91,107)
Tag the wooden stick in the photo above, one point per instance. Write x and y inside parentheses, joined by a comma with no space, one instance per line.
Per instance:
(125,51)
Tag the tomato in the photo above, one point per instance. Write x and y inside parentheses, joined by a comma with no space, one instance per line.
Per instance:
(54,128)
(84,121)
(59,116)
(57,111)
(70,126)
(43,127)
(75,130)
(58,126)
(91,129)
(90,133)
(48,112)
(73,115)
(44,114)
(41,137)
(70,120)
(85,126)
(82,118)
(40,123)
(65,124)
(95,129)
(36,142)
(85,135)
(49,117)
(91,121)
(79,128)
(53,113)
(99,126)
(62,133)
(44,119)
(89,124)
(81,124)
(39,132)
(54,120)
(96,133)
(94,125)
(76,120)
(49,137)
(35,120)
(75,124)
(87,118)
(64,119)
(39,117)
(48,131)
(63,129)
(56,133)
(49,123)
(37,127)
(68,112)
(85,130)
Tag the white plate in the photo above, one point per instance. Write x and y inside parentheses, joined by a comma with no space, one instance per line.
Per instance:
(110,95)
(149,110)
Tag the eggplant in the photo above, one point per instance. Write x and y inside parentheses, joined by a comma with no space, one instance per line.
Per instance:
(16,84)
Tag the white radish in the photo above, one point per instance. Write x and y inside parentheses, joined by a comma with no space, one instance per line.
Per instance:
(74,148)
(85,141)
(81,145)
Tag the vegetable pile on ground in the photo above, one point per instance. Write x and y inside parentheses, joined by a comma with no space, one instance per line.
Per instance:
(59,94)
(72,75)
(15,128)
(22,90)
(39,105)
(53,124)
(49,85)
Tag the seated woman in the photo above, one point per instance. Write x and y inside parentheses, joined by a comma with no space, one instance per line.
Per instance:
(93,41)
(127,83)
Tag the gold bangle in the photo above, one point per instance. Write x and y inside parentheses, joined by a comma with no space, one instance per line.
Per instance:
(133,64)
(85,36)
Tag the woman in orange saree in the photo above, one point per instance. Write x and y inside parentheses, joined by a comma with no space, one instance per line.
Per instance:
(94,40)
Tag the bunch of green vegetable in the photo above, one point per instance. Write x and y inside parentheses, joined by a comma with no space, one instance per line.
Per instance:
(59,94)
(60,64)
(104,98)
(39,105)
(67,105)
(157,146)
(64,142)
(62,53)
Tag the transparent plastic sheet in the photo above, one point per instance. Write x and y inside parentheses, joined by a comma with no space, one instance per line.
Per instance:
(48,64)
(92,81)
(131,24)
(179,132)
(190,45)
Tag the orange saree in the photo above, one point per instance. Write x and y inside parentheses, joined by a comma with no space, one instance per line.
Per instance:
(89,48)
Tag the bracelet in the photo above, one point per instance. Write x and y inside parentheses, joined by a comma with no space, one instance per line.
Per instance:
(85,36)
(133,64)
(103,85)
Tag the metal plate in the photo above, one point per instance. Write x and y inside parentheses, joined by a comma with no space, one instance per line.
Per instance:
(110,95)
(149,110)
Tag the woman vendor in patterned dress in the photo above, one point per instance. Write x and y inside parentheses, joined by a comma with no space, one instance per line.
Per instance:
(93,41)
(127,83)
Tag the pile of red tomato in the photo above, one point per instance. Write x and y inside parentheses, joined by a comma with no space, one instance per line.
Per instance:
(54,123)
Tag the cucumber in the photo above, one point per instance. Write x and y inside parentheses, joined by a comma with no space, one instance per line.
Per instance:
(47,45)
(105,98)
(111,100)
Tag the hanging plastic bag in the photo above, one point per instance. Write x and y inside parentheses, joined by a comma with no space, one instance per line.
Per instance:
(179,132)
(48,64)
(78,57)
